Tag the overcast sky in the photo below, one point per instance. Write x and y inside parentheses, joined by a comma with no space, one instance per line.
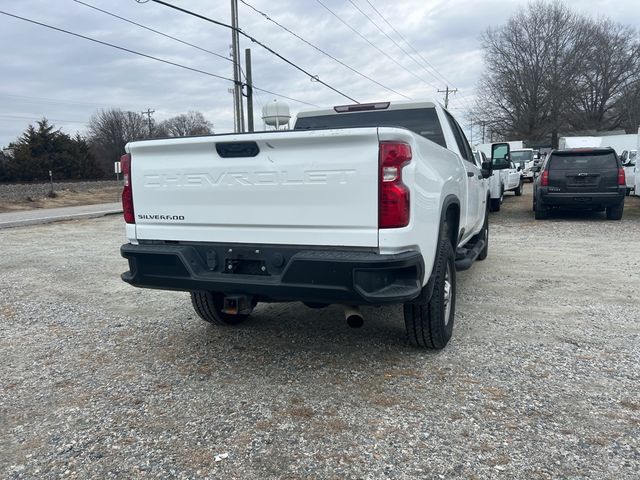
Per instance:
(66,79)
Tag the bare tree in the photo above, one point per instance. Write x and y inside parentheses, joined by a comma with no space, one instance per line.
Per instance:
(184,125)
(110,131)
(610,65)
(550,69)
(514,98)
(627,108)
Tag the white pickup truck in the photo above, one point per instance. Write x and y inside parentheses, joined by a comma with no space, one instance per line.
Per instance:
(524,159)
(363,204)
(506,177)
(629,160)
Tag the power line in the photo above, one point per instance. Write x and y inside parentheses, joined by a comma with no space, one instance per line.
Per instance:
(374,45)
(153,30)
(267,17)
(392,40)
(21,117)
(53,101)
(253,39)
(151,57)
(409,44)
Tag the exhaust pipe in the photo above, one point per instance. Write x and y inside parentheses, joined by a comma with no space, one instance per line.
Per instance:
(353,316)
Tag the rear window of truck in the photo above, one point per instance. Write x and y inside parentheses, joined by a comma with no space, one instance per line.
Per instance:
(587,160)
(423,121)
(521,157)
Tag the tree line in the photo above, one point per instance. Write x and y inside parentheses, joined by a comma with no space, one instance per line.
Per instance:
(551,70)
(42,148)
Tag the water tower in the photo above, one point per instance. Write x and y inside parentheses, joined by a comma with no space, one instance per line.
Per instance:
(276,114)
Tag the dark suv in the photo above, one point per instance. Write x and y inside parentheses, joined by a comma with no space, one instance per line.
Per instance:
(581,178)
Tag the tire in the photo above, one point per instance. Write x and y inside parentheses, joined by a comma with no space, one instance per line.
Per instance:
(541,210)
(518,191)
(615,213)
(430,324)
(484,233)
(495,205)
(628,192)
(208,306)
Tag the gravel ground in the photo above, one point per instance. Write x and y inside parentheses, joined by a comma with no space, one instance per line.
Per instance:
(20,191)
(541,379)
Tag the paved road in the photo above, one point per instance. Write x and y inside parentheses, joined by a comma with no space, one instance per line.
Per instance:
(48,215)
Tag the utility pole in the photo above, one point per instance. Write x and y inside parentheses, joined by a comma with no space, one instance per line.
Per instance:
(148,113)
(483,125)
(237,90)
(247,56)
(446,95)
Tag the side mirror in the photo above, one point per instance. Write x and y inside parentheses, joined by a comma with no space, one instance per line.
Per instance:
(535,168)
(500,155)
(487,169)
(519,169)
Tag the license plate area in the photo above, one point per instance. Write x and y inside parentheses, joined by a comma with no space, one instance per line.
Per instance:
(245,262)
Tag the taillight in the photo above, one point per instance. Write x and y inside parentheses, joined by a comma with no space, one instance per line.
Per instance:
(621,177)
(394,208)
(544,180)
(127,194)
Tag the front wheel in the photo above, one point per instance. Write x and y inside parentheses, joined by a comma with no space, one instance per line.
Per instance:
(430,324)
(484,235)
(208,306)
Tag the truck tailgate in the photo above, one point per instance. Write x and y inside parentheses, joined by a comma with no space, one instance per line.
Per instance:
(299,188)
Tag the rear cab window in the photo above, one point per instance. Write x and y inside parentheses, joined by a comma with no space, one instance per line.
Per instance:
(423,121)
(521,158)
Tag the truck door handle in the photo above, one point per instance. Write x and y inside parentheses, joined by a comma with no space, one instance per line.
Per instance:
(470,174)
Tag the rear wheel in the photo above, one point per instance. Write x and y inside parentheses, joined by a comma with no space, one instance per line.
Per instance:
(628,192)
(208,305)
(615,213)
(430,324)
(518,191)
(495,204)
(541,210)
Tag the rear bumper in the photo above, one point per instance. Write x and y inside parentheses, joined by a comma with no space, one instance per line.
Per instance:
(271,273)
(583,199)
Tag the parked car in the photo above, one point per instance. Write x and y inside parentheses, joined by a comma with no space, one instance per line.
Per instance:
(582,178)
(629,161)
(524,159)
(364,204)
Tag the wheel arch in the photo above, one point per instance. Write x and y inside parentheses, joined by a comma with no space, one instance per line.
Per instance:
(450,214)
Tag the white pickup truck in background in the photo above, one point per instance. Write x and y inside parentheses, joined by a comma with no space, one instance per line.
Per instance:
(629,159)
(524,158)
(363,204)
(506,177)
